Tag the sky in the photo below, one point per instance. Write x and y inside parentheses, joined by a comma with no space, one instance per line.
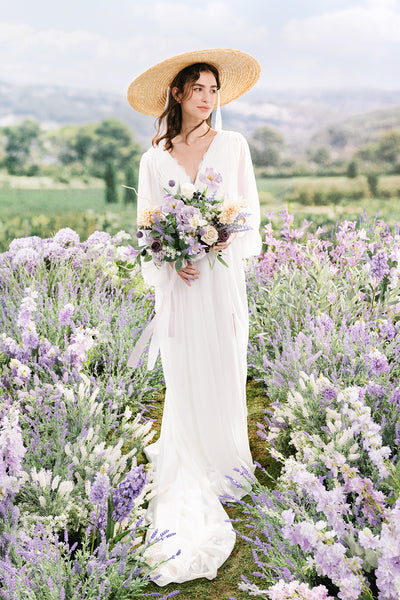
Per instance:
(104,44)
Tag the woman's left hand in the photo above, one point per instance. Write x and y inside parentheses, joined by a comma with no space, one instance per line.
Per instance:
(224,245)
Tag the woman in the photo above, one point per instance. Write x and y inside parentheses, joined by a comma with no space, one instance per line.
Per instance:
(203,331)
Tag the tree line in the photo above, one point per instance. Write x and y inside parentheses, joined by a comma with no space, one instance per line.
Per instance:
(105,150)
(109,151)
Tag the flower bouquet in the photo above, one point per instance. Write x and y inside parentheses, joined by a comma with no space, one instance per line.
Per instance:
(189,224)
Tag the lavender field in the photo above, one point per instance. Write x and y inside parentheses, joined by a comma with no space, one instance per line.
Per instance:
(325,340)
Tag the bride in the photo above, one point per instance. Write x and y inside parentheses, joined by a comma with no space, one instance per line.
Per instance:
(203,332)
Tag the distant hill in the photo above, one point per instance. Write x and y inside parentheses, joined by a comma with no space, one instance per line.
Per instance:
(358,130)
(303,117)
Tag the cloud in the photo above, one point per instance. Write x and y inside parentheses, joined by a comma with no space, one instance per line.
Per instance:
(88,59)
(355,31)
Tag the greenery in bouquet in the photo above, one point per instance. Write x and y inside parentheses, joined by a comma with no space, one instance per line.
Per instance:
(190,223)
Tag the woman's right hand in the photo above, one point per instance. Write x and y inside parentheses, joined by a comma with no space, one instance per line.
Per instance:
(187,273)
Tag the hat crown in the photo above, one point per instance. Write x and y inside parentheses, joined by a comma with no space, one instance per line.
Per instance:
(238,72)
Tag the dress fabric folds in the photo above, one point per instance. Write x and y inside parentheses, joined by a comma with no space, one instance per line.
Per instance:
(203,342)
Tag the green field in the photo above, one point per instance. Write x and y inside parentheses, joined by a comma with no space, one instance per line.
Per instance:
(43,210)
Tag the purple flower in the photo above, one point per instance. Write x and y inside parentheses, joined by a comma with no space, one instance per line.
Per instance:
(98,237)
(126,492)
(375,390)
(30,338)
(379,265)
(378,362)
(211,178)
(65,314)
(172,205)
(186,214)
(98,519)
(100,489)
(26,256)
(66,237)
(139,234)
(329,394)
(156,246)
(223,235)
(171,183)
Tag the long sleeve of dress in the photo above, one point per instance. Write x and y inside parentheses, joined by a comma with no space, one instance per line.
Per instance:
(247,188)
(149,195)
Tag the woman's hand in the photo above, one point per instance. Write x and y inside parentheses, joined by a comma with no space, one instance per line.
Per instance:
(224,245)
(187,273)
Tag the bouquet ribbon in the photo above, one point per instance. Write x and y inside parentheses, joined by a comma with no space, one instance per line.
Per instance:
(152,330)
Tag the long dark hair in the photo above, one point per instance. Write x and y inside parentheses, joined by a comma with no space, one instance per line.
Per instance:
(172,114)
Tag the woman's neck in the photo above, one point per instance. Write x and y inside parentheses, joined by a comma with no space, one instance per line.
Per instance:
(188,135)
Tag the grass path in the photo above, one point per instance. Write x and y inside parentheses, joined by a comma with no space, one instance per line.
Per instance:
(240,561)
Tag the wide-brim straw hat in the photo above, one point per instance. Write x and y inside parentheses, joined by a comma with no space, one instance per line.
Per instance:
(238,72)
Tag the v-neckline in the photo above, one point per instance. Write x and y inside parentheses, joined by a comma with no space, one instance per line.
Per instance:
(200,163)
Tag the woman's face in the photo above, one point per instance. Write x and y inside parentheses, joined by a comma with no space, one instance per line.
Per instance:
(201,98)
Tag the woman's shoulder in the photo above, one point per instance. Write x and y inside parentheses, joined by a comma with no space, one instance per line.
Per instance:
(234,141)
(232,136)
(149,156)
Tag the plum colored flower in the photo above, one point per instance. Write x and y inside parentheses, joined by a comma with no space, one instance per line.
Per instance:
(171,183)
(156,246)
(223,235)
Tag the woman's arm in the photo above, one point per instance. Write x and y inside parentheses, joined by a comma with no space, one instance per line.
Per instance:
(250,241)
(149,195)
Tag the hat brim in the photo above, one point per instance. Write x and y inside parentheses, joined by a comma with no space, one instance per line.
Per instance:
(238,72)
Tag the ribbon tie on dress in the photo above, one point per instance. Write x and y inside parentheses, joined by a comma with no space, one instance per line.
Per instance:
(153,330)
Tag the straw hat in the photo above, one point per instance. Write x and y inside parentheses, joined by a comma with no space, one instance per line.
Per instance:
(238,72)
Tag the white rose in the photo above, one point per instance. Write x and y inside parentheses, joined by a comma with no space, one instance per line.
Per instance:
(210,235)
(187,190)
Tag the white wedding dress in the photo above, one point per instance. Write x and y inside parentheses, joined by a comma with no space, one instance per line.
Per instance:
(203,338)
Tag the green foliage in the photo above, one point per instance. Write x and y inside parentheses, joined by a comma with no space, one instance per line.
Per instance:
(112,142)
(320,156)
(352,169)
(388,150)
(85,149)
(373,180)
(265,147)
(110,180)
(131,181)
(320,192)
(385,152)
(43,212)
(18,146)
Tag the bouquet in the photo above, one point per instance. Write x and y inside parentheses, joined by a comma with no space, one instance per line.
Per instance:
(189,224)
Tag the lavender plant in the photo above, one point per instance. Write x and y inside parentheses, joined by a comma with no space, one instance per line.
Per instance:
(71,426)
(325,341)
